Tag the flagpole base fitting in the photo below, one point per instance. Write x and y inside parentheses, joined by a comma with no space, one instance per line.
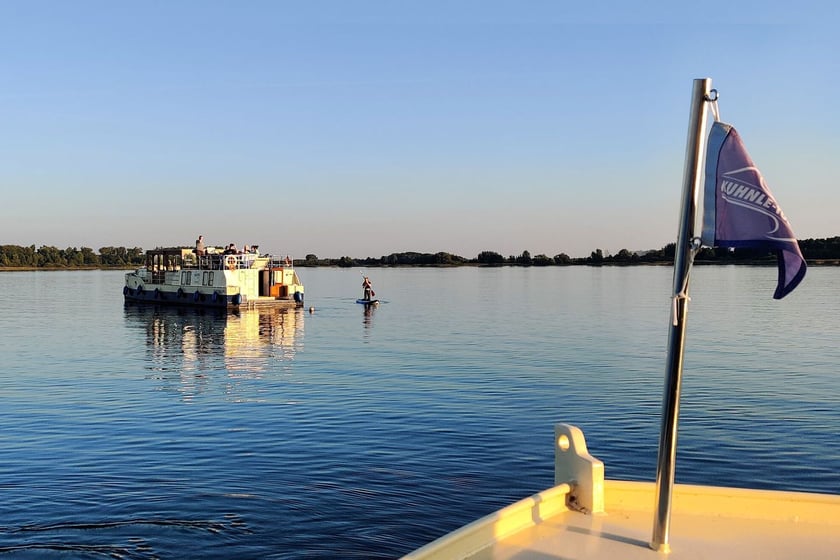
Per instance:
(663,548)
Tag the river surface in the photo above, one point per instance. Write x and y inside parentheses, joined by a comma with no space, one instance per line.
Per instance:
(353,432)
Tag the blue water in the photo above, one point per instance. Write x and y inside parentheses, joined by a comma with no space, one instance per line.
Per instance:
(354,432)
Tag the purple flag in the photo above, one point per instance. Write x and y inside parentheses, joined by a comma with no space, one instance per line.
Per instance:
(740,211)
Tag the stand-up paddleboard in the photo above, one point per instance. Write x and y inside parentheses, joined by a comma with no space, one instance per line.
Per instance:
(368,301)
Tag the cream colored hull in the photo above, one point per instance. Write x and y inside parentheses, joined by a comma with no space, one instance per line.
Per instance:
(706,523)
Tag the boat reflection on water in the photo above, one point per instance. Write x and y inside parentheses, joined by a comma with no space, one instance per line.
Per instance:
(193,350)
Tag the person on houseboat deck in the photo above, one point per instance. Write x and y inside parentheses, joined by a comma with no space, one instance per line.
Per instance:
(368,289)
(231,249)
(199,246)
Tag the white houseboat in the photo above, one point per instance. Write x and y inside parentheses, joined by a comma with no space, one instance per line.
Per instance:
(177,276)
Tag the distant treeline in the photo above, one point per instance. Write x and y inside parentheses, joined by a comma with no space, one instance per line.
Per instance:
(52,257)
(815,251)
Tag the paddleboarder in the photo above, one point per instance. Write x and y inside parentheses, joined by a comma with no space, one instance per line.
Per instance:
(367,289)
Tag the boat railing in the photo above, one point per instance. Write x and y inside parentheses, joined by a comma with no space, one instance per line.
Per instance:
(280,262)
(236,261)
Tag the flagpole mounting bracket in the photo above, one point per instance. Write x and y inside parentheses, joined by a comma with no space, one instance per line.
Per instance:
(712,98)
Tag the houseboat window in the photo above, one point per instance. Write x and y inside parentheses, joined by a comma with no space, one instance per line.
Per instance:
(185,277)
(208,278)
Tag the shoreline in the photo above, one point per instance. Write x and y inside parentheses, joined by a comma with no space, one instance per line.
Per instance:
(817,263)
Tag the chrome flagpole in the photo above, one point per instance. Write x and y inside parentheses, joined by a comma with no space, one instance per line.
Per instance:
(683,256)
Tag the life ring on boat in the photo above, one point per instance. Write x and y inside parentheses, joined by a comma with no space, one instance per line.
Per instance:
(180,293)
(230,262)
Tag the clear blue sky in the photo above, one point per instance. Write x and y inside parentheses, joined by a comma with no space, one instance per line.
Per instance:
(368,128)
